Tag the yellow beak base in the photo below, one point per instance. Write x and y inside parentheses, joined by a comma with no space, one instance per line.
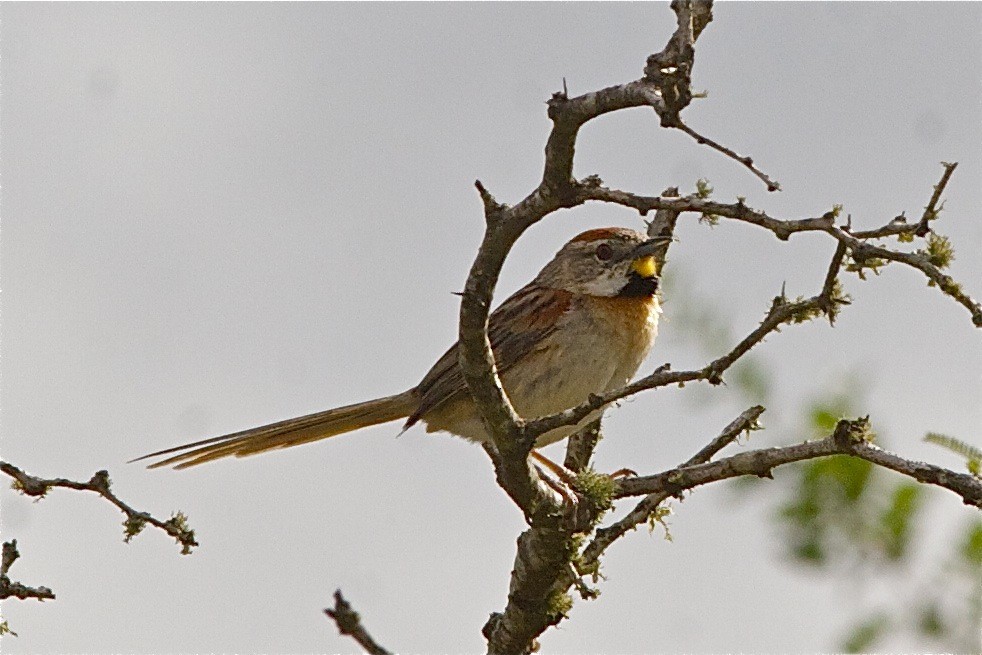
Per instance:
(645,267)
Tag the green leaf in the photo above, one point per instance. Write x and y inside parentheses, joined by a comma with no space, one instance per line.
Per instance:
(845,478)
(930,622)
(749,376)
(972,454)
(865,634)
(896,521)
(971,550)
(810,552)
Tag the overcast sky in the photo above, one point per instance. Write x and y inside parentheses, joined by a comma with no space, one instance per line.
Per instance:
(215,216)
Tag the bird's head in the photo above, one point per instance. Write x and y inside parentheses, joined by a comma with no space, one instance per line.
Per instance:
(607,262)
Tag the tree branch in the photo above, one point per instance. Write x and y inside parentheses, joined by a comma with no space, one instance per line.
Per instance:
(349,624)
(16,589)
(176,526)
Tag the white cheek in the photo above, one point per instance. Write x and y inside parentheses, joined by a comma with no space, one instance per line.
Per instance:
(609,283)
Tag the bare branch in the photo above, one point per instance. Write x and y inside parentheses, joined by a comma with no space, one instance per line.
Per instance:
(542,572)
(899,225)
(176,526)
(349,624)
(15,589)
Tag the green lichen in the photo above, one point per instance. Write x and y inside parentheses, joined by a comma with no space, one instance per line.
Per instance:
(712,220)
(939,250)
(932,214)
(659,516)
(839,297)
(703,189)
(559,604)
(872,263)
(861,430)
(133,525)
(184,534)
(807,312)
(598,488)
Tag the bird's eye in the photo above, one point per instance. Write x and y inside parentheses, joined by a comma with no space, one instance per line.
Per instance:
(604,252)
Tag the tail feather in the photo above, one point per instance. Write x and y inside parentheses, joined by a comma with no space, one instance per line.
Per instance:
(291,432)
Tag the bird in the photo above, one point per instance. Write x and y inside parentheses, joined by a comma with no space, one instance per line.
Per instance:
(582,326)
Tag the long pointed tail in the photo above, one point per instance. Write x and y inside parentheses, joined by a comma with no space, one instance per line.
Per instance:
(291,432)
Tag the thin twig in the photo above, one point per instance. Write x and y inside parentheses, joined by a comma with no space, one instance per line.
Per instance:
(349,624)
(745,422)
(932,209)
(782,228)
(772,185)
(176,526)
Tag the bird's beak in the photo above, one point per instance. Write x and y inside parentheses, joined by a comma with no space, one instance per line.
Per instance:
(643,260)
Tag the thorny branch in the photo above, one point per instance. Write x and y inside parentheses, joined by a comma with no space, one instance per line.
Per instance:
(349,623)
(548,552)
(176,526)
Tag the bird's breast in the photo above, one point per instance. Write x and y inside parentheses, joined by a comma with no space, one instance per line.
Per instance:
(630,321)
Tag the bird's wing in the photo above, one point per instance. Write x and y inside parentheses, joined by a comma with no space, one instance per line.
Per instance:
(522,322)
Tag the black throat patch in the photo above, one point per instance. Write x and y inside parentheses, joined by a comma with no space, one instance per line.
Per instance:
(639,287)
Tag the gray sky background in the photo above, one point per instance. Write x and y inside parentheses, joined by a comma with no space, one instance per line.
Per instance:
(215,216)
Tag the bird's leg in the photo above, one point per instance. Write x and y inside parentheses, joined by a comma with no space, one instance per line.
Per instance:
(564,491)
(568,476)
(558,470)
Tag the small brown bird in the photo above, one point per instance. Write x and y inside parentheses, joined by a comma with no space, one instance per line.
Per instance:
(582,326)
